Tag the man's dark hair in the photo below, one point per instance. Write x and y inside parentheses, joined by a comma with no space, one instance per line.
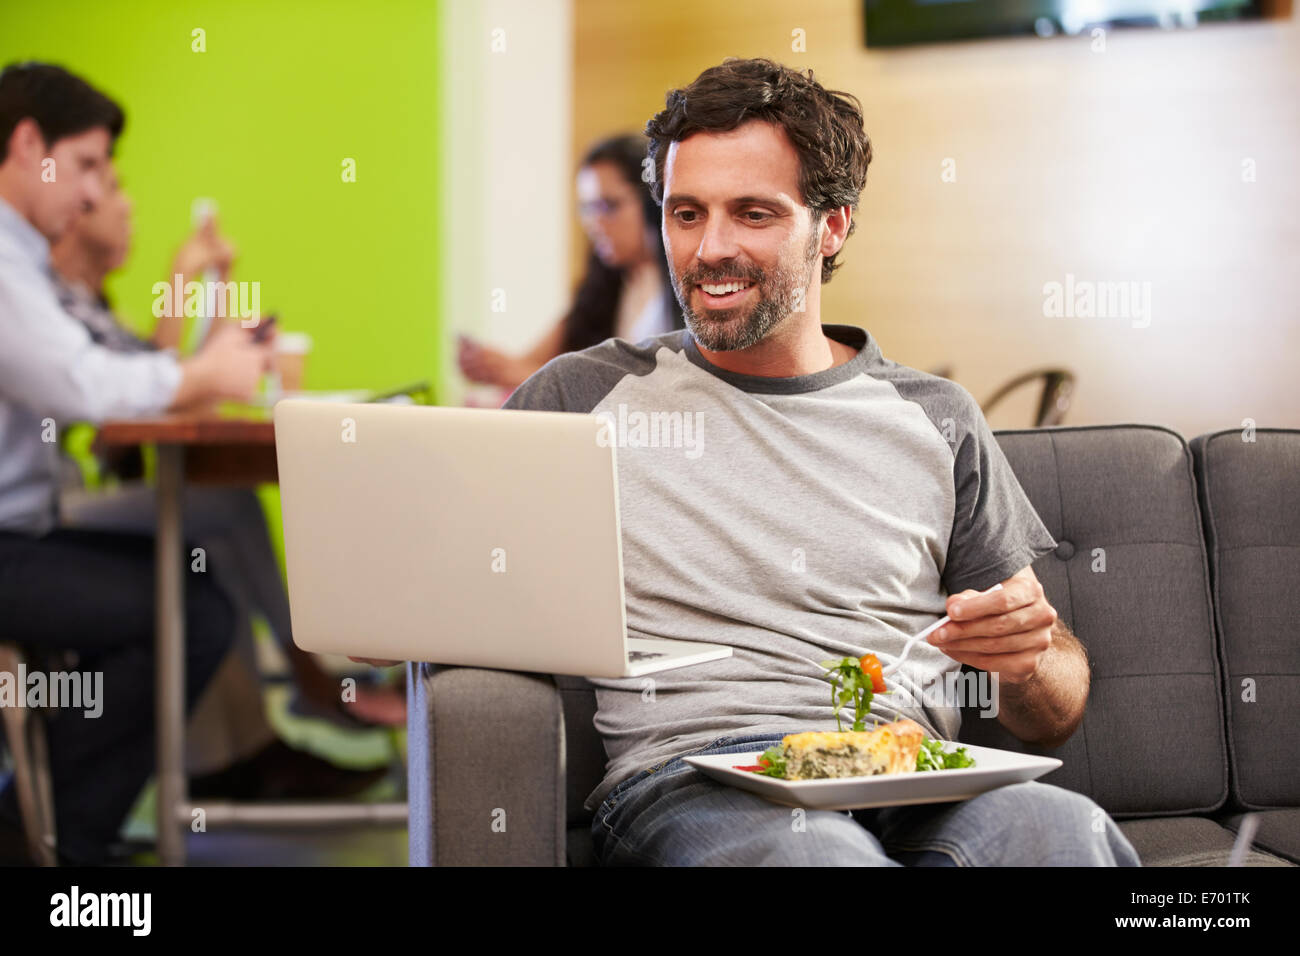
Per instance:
(825,127)
(61,104)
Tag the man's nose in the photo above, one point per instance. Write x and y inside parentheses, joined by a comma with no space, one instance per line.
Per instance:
(718,243)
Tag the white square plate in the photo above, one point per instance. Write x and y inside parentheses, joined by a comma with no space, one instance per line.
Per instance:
(993,768)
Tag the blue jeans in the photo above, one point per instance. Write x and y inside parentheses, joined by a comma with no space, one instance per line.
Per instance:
(673,815)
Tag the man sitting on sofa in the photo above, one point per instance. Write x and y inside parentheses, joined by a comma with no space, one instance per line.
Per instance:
(842,502)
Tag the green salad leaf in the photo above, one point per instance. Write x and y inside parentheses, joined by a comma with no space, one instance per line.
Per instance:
(774,757)
(932,756)
(849,685)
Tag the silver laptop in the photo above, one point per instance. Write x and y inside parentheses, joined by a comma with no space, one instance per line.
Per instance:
(474,537)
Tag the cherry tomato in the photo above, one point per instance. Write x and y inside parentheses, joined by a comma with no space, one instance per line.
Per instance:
(870,665)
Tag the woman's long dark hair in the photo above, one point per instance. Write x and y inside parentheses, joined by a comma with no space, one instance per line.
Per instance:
(593,317)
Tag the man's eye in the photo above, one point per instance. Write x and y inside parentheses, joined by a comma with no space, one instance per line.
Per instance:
(761,215)
(685,212)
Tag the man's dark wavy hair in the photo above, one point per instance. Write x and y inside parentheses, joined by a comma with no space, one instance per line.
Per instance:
(61,103)
(825,127)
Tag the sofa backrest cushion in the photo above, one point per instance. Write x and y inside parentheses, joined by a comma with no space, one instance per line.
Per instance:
(1130,579)
(1249,484)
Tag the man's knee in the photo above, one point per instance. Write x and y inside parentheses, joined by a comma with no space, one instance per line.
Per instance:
(1046,808)
(766,835)
(1054,823)
(800,837)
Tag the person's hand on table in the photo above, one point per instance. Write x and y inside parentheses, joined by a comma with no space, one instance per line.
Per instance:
(1007,631)
(232,362)
(486,365)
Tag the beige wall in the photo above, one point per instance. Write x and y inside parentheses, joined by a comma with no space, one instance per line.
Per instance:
(1122,165)
(505,110)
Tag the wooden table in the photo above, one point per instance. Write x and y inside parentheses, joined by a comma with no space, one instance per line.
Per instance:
(205,448)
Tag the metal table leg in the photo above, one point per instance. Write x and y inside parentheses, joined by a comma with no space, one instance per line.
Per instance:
(169,602)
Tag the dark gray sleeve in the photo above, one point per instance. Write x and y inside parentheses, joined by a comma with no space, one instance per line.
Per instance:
(542,391)
(995,530)
(577,381)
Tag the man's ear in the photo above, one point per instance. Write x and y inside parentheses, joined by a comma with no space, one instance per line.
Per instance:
(837,221)
(26,144)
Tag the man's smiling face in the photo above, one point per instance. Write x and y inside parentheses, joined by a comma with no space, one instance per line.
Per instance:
(734,216)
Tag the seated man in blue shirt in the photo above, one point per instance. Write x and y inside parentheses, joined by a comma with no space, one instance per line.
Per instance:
(82,592)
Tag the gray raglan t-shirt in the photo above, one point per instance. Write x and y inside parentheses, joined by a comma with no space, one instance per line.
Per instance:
(795,519)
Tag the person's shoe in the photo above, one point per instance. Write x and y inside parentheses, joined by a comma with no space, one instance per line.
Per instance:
(239,781)
(279,772)
(376,705)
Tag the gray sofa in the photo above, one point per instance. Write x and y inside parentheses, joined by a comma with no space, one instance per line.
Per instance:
(1179,570)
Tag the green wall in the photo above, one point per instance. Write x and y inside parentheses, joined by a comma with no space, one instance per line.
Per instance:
(261,122)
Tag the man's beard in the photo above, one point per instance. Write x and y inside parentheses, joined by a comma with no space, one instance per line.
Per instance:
(728,330)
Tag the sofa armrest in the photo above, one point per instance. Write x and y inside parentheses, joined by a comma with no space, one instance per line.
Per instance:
(485,767)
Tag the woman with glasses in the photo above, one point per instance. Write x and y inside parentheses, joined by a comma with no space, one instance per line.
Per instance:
(626,291)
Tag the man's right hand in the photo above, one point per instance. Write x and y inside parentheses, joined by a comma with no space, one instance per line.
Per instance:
(229,366)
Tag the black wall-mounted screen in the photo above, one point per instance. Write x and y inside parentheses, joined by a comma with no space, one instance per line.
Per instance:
(899,22)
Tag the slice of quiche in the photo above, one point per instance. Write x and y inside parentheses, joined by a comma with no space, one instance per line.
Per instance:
(891,748)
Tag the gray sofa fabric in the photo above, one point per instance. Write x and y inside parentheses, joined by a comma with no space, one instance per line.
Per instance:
(1249,487)
(493,782)
(1250,496)
(500,763)
(1189,841)
(1130,580)
(1278,832)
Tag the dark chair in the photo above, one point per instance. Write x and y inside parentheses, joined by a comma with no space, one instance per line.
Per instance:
(24,730)
(1058,387)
